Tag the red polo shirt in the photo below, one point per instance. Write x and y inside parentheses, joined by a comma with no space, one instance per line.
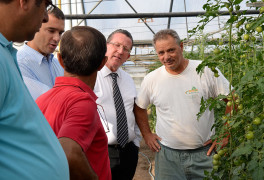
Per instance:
(71,111)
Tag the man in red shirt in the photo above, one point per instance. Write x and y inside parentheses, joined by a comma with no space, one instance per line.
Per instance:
(70,106)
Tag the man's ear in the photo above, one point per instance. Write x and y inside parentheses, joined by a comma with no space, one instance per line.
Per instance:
(60,60)
(181,45)
(102,63)
(24,4)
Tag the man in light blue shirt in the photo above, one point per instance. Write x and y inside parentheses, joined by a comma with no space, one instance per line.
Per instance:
(29,150)
(38,66)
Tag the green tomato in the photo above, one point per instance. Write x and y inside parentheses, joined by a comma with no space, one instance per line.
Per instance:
(227,5)
(216,74)
(237,162)
(249,135)
(237,101)
(217,51)
(240,106)
(257,121)
(252,38)
(215,162)
(248,26)
(215,168)
(229,103)
(221,152)
(262,115)
(230,9)
(243,56)
(231,112)
(259,29)
(240,139)
(216,157)
(236,95)
(246,37)
(249,127)
(224,118)
(229,97)
(213,68)
(261,10)
(235,18)
(240,23)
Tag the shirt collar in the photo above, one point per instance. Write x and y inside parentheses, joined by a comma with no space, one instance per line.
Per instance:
(39,57)
(106,71)
(5,42)
(71,81)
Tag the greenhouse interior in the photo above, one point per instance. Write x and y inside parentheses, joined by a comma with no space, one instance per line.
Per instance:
(226,35)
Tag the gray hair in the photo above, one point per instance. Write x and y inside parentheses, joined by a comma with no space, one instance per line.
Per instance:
(163,34)
(122,31)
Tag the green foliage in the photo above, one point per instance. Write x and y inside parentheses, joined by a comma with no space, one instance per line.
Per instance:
(242,63)
(152,117)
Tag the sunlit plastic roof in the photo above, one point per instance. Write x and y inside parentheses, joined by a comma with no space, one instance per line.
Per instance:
(135,25)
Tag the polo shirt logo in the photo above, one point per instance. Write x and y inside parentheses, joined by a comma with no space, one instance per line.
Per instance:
(194,90)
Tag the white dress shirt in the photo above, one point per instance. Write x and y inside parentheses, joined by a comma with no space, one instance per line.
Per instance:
(104,91)
(38,71)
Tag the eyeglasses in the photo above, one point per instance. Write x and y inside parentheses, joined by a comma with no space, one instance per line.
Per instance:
(101,113)
(50,6)
(118,46)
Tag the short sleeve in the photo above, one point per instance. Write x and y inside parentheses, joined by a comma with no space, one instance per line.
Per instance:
(220,85)
(80,123)
(143,97)
(3,85)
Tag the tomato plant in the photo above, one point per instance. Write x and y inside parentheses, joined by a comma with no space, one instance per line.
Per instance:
(241,60)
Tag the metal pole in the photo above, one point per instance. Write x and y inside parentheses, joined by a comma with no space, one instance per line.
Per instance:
(169,20)
(59,4)
(140,18)
(76,10)
(70,13)
(151,15)
(186,21)
(90,12)
(83,9)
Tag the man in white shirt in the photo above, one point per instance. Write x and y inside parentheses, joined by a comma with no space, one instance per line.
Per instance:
(176,90)
(123,156)
(38,66)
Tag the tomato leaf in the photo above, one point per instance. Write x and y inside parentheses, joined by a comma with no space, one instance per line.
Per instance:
(244,150)
(258,173)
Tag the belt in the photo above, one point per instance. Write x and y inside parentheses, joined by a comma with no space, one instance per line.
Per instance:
(117,146)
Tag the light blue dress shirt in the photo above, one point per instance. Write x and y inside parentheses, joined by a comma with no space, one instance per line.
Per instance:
(29,149)
(38,71)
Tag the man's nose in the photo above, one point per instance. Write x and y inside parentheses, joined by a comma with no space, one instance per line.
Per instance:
(121,50)
(57,37)
(166,56)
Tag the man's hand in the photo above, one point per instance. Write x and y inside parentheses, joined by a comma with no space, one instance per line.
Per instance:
(152,141)
(223,144)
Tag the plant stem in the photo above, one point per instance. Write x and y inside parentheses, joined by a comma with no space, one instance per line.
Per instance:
(230,81)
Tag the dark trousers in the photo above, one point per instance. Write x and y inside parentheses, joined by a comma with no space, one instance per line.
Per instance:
(123,161)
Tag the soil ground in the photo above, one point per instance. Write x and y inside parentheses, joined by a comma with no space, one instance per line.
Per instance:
(142,171)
